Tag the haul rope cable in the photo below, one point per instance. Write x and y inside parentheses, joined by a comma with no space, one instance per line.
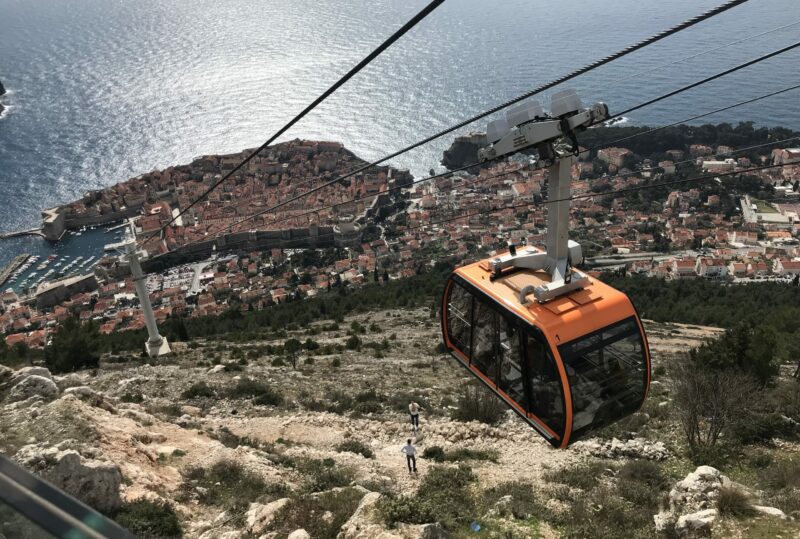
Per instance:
(533,205)
(358,67)
(585,69)
(665,96)
(616,82)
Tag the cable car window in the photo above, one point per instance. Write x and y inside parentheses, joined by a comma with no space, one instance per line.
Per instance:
(486,340)
(459,316)
(13,524)
(606,374)
(511,380)
(546,393)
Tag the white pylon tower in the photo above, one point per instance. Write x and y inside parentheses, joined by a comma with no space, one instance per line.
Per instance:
(156,345)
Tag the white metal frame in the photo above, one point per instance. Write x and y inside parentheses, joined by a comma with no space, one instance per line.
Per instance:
(543,133)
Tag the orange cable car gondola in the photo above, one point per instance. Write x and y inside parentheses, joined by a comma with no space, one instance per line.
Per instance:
(566,352)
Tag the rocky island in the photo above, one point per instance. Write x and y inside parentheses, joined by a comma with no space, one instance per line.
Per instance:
(2,93)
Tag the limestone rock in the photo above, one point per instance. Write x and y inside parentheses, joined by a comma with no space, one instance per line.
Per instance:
(259,516)
(697,523)
(140,417)
(33,385)
(691,502)
(616,449)
(24,372)
(771,511)
(216,369)
(193,411)
(95,482)
(422,531)
(502,507)
(70,380)
(299,534)
(365,523)
(5,375)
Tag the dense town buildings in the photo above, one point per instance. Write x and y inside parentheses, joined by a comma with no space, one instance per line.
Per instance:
(712,230)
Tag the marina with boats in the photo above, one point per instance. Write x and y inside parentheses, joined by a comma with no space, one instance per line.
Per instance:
(27,262)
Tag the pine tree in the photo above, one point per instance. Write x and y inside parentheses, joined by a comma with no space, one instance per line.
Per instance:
(74,346)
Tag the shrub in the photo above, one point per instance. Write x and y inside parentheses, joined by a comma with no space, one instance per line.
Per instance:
(584,476)
(788,500)
(437,454)
(336,363)
(733,502)
(369,407)
(643,471)
(466,453)
(278,362)
(270,397)
(408,509)
(447,489)
(135,397)
(353,343)
(305,512)
(259,391)
(434,453)
(744,348)
(708,401)
(198,390)
(601,514)
(149,519)
(443,496)
(477,404)
(782,474)
(229,485)
(356,328)
(324,474)
(354,446)
(524,503)
(761,428)
(74,346)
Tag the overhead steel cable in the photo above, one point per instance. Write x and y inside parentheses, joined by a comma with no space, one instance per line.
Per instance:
(472,165)
(316,210)
(346,77)
(473,181)
(703,53)
(665,96)
(533,205)
(708,79)
(569,76)
(698,116)
(620,191)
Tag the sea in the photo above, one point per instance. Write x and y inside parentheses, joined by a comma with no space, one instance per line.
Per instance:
(103,90)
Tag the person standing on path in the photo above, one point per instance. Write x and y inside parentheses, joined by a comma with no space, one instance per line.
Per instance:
(413,410)
(411,456)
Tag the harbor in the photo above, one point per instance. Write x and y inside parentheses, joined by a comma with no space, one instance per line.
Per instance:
(30,260)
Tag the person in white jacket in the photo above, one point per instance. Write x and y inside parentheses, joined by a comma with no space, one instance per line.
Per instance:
(411,456)
(413,410)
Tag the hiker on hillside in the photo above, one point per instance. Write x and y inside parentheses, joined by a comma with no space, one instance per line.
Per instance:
(411,458)
(413,410)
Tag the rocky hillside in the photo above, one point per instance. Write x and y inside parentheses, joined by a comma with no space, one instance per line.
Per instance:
(228,440)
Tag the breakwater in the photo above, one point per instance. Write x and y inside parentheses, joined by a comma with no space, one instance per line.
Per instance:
(12,266)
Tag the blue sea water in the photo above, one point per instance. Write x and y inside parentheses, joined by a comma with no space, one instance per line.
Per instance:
(103,90)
